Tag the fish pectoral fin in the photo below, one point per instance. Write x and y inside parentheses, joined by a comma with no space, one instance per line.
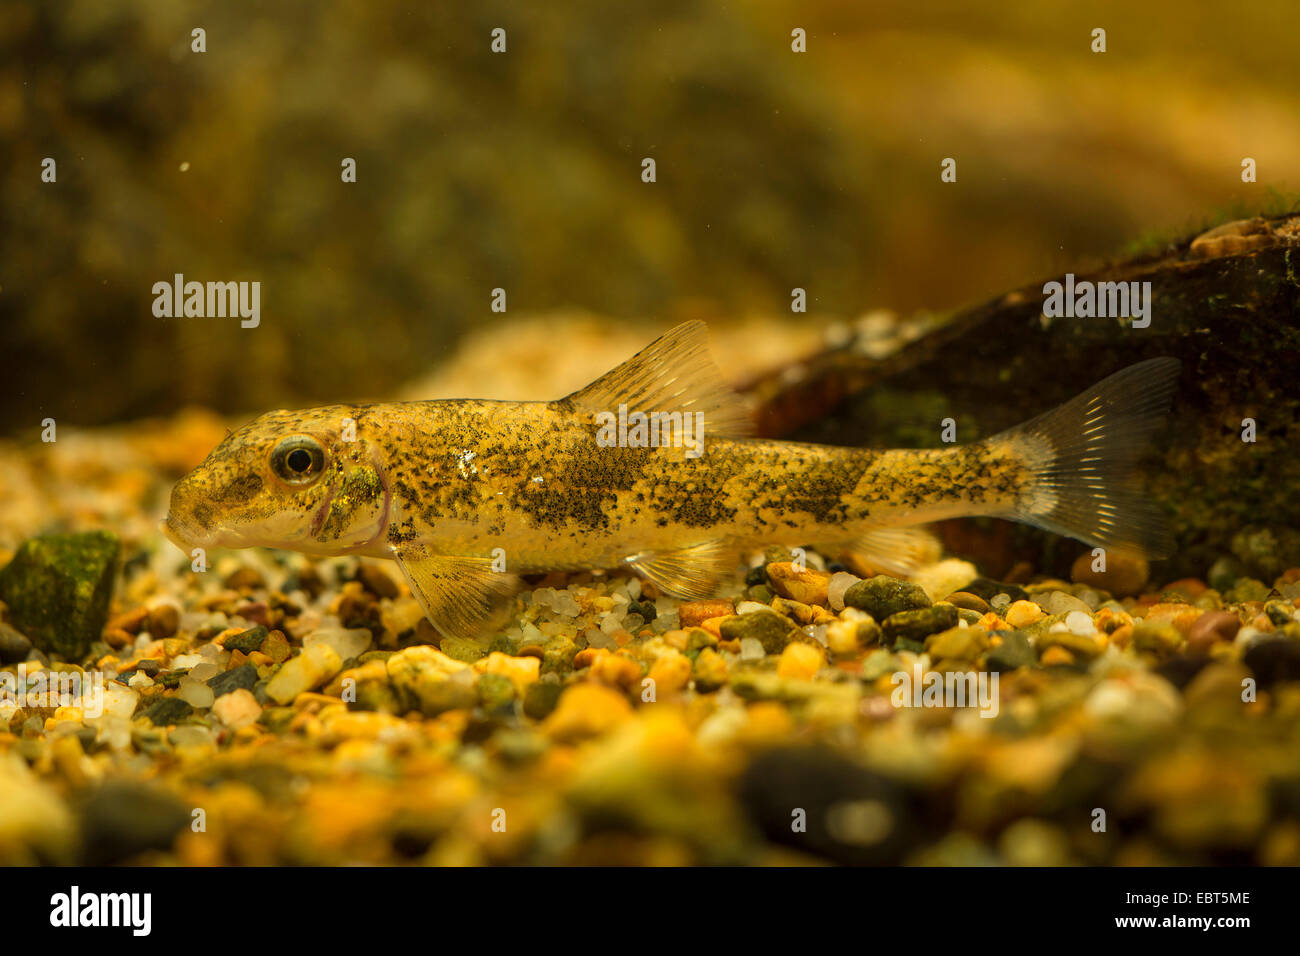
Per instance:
(896,550)
(686,572)
(461,596)
(674,373)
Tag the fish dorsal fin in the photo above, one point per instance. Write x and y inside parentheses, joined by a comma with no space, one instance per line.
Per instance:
(674,373)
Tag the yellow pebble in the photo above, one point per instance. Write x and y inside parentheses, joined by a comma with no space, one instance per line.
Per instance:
(800,661)
(671,672)
(1023,613)
(587,710)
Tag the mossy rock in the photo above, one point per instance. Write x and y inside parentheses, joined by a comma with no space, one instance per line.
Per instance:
(58,589)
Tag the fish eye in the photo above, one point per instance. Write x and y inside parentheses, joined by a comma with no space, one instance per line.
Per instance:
(298,460)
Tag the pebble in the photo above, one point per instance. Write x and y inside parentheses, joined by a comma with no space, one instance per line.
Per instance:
(347,643)
(800,661)
(1062,602)
(837,587)
(1023,613)
(944,577)
(916,625)
(767,627)
(1079,622)
(1125,575)
(971,602)
(1210,628)
(695,613)
(807,586)
(309,670)
(243,677)
(586,710)
(237,708)
(195,693)
(378,581)
(882,596)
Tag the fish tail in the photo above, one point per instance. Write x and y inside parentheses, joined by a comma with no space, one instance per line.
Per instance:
(1080,459)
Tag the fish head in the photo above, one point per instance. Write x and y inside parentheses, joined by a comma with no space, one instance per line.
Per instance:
(305,481)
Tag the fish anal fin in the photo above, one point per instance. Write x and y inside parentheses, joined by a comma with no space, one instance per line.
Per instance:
(691,572)
(674,373)
(461,596)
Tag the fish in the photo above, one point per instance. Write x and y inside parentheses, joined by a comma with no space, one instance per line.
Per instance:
(652,467)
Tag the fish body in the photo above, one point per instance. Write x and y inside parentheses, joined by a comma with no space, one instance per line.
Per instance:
(648,467)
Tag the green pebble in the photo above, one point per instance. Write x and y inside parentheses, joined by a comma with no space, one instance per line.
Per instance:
(761,593)
(770,629)
(541,697)
(1014,651)
(461,649)
(917,625)
(883,596)
(168,711)
(495,692)
(247,641)
(558,654)
(57,588)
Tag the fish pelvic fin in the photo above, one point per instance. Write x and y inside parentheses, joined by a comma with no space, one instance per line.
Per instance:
(686,572)
(1081,455)
(674,373)
(461,596)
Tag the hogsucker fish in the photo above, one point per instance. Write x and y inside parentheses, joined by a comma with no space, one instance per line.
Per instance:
(648,467)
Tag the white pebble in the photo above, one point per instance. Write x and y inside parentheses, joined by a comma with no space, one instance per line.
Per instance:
(205,671)
(749,607)
(839,585)
(751,649)
(1077,622)
(347,643)
(194,693)
(1000,600)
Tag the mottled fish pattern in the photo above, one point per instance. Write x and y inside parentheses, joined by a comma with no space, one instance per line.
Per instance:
(466,494)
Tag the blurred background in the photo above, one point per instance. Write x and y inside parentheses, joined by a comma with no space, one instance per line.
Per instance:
(523,171)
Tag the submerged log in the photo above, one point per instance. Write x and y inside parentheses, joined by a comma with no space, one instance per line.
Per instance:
(1226,303)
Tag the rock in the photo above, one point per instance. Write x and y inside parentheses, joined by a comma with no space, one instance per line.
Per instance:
(1061,602)
(427,680)
(1267,551)
(166,711)
(944,577)
(349,644)
(1158,637)
(195,693)
(246,641)
(986,588)
(495,692)
(1014,651)
(807,586)
(800,661)
(1126,574)
(970,602)
(770,629)
(919,624)
(1210,628)
(237,708)
(313,667)
(957,643)
(377,581)
(1023,613)
(882,596)
(463,649)
(694,613)
(242,677)
(35,824)
(709,670)
(541,698)
(850,815)
(14,646)
(122,819)
(163,620)
(837,587)
(58,589)
(587,710)
(1274,659)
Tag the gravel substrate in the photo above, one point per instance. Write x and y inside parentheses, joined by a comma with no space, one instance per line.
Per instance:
(281,710)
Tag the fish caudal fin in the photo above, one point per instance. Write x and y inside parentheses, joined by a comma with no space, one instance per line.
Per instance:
(1081,458)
